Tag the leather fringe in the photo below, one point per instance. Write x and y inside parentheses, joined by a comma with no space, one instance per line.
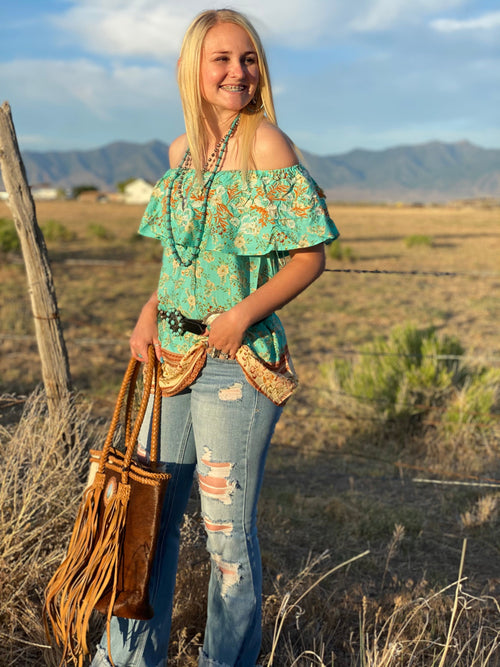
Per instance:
(90,566)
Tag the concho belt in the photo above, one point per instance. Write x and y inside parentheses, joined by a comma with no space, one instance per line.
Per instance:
(179,323)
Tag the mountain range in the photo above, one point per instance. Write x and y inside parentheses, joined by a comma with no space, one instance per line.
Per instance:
(430,172)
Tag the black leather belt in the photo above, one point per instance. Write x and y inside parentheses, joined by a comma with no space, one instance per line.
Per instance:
(179,323)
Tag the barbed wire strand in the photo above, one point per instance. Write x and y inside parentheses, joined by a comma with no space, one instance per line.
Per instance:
(339,352)
(380,420)
(419,272)
(401,465)
(347,352)
(413,272)
(384,402)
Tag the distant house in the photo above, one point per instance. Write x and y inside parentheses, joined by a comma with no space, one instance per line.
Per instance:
(38,192)
(137,192)
(44,192)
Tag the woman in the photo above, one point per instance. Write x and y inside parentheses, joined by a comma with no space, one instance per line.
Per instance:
(234,202)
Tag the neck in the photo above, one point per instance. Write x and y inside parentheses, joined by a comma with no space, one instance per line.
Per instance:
(218,123)
(216,153)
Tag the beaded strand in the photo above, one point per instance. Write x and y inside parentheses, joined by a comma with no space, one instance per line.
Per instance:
(181,172)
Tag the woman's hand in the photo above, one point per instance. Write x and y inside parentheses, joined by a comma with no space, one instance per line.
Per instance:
(227,330)
(145,332)
(226,333)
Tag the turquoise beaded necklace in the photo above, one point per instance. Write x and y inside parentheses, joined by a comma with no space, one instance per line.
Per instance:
(180,173)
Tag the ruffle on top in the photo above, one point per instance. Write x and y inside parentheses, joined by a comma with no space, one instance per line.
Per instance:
(273,210)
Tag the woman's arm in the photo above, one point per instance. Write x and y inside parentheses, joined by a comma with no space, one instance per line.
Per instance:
(146,330)
(272,150)
(227,330)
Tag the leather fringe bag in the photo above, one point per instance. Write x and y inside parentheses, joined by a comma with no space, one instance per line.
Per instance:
(110,555)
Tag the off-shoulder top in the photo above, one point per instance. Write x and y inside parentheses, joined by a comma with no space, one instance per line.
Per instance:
(251,223)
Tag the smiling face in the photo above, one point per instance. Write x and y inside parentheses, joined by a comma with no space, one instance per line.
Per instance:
(229,69)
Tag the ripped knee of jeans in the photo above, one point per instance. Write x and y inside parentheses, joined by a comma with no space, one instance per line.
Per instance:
(216,483)
(229,573)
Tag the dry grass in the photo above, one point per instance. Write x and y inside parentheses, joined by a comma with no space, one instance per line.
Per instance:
(335,486)
(40,484)
(325,614)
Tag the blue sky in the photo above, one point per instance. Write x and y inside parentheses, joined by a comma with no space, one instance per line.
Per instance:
(368,74)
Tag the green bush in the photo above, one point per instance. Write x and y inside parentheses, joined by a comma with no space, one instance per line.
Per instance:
(9,240)
(55,231)
(338,252)
(408,373)
(419,240)
(418,391)
(99,231)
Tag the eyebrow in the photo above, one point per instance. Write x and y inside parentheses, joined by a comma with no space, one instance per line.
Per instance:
(222,52)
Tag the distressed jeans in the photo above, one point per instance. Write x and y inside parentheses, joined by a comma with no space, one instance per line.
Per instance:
(221,426)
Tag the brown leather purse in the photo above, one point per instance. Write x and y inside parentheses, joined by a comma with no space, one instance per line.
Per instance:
(110,554)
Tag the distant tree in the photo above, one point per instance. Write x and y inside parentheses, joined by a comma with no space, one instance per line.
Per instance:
(78,189)
(123,184)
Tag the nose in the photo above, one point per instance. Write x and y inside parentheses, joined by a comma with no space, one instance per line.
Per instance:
(237,69)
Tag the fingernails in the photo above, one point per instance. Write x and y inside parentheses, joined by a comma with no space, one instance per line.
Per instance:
(161,360)
(140,356)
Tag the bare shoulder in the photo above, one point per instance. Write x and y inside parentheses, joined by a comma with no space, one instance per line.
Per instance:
(176,150)
(272,148)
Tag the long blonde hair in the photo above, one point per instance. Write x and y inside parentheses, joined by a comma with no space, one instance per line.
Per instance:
(188,77)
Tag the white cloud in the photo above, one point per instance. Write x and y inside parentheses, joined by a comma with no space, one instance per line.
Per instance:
(374,15)
(126,29)
(487,21)
(81,103)
(146,28)
(96,87)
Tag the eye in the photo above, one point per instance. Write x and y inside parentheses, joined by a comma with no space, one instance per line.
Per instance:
(250,60)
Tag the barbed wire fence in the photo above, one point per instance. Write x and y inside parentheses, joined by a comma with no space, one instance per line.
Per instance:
(418,272)
(347,352)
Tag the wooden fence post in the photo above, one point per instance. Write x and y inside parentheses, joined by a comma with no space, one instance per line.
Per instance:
(48,329)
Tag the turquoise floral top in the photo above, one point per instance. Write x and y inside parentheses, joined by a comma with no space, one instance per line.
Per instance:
(249,228)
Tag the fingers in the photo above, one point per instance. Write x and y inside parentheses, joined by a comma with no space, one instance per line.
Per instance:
(138,353)
(217,353)
(223,349)
(157,347)
(139,349)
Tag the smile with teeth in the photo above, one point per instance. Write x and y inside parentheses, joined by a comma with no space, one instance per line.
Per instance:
(234,89)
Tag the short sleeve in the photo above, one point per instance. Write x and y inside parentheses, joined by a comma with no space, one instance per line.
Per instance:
(286,210)
(153,223)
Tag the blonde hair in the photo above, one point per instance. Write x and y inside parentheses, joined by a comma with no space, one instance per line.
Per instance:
(188,77)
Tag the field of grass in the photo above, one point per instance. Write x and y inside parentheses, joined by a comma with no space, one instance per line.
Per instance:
(341,476)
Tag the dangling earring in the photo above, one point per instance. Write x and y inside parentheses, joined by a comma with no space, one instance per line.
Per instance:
(253,105)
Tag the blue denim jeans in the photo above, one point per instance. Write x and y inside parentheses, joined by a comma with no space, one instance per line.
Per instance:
(221,426)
